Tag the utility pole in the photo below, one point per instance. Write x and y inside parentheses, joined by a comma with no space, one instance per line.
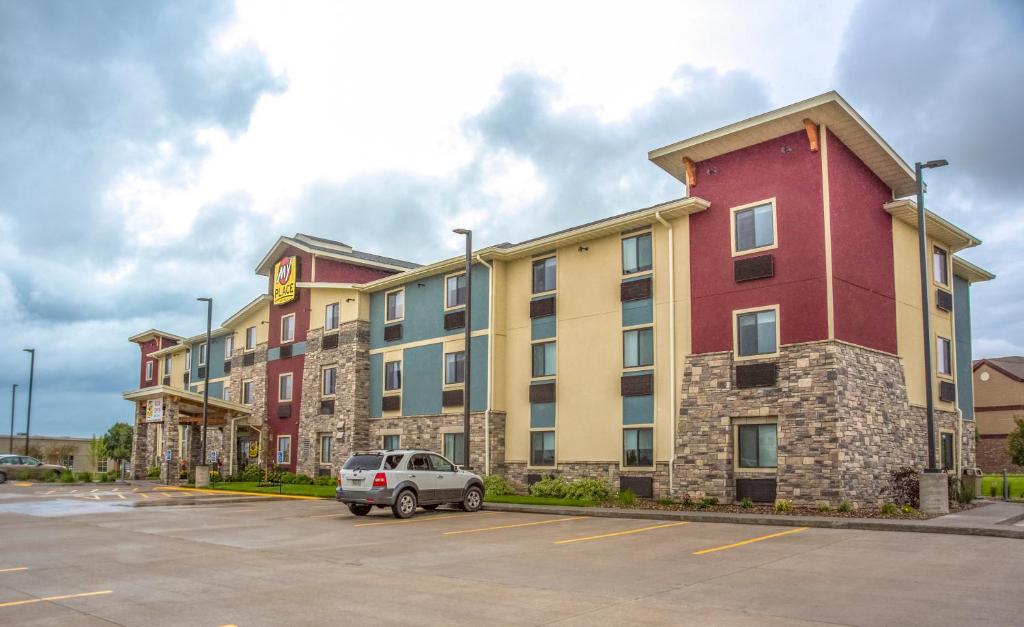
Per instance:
(31,376)
(469,335)
(10,442)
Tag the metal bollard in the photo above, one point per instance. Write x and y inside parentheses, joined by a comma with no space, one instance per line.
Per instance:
(1006,486)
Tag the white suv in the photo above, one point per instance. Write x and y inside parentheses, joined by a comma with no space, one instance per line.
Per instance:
(404,480)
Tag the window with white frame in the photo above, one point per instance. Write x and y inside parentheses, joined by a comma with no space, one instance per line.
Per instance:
(544,275)
(188,359)
(753,227)
(229,346)
(542,448)
(332,316)
(455,367)
(391,442)
(167,365)
(288,328)
(543,359)
(455,290)
(756,333)
(392,376)
(284,449)
(638,347)
(395,305)
(285,387)
(328,380)
(67,461)
(944,356)
(940,266)
(455,447)
(149,370)
(202,354)
(636,253)
(326,445)
(250,338)
(247,392)
(226,393)
(101,465)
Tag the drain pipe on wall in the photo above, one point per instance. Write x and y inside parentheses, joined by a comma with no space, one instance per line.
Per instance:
(671,348)
(958,462)
(490,362)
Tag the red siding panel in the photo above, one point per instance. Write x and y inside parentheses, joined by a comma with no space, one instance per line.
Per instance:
(331,271)
(786,169)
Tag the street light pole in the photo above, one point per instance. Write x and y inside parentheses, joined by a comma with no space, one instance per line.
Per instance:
(31,376)
(925,307)
(469,335)
(10,442)
(206,377)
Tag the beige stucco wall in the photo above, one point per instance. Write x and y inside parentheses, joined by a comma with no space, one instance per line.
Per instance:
(358,308)
(258,317)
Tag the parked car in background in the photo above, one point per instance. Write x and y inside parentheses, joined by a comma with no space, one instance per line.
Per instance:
(15,465)
(404,480)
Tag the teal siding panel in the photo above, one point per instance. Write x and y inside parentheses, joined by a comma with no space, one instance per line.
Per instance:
(542,415)
(964,372)
(478,384)
(637,312)
(421,380)
(217,389)
(376,384)
(637,410)
(542,328)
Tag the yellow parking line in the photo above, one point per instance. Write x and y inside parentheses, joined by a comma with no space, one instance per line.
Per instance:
(11,570)
(57,598)
(120,496)
(750,541)
(95,490)
(144,495)
(73,491)
(421,518)
(529,524)
(621,533)
(50,492)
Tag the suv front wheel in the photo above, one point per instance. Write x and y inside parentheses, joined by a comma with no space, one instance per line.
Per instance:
(405,504)
(473,500)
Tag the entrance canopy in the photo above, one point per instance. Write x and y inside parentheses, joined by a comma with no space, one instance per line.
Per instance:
(159,400)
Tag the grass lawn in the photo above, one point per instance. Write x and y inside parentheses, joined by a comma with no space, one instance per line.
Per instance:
(296,489)
(537,500)
(988,482)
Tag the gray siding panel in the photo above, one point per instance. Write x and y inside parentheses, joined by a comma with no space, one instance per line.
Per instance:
(964,373)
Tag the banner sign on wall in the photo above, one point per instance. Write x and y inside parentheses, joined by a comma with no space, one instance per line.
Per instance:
(155,410)
(254,450)
(286,273)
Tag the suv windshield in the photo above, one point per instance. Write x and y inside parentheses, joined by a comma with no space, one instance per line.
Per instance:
(363,462)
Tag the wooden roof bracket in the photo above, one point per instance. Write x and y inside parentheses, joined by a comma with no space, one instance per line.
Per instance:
(812,133)
(691,173)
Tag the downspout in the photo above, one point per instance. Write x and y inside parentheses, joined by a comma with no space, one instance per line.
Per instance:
(671,347)
(490,362)
(958,461)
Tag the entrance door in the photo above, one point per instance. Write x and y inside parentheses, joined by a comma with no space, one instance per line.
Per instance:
(242,452)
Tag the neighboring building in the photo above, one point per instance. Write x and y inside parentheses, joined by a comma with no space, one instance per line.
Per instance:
(71,452)
(760,337)
(998,404)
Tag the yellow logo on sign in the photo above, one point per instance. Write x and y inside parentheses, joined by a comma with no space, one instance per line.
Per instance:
(285,274)
(254,449)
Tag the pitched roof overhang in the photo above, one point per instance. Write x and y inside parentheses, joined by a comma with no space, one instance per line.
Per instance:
(829,109)
(328,249)
(254,304)
(935,225)
(967,270)
(145,335)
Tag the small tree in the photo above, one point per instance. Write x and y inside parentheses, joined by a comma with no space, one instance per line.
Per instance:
(1015,443)
(118,442)
(97,452)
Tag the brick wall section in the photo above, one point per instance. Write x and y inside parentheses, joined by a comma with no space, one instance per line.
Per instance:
(993,456)
(844,423)
(609,472)
(426,432)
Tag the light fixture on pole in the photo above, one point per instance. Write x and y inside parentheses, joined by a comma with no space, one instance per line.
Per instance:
(31,376)
(469,334)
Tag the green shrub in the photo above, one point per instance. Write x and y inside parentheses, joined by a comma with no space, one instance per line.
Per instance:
(846,507)
(84,477)
(326,480)
(993,489)
(664,501)
(588,490)
(824,507)
(966,494)
(107,477)
(746,503)
(496,485)
(888,509)
(626,498)
(250,473)
(301,479)
(67,476)
(22,475)
(49,476)
(783,506)
(286,477)
(708,502)
(153,472)
(551,487)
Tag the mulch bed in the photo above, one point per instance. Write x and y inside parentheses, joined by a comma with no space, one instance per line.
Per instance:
(762,509)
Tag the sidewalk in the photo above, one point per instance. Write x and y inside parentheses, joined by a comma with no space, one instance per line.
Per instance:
(986,520)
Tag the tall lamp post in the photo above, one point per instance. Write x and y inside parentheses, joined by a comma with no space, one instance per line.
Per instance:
(469,334)
(31,376)
(10,442)
(202,469)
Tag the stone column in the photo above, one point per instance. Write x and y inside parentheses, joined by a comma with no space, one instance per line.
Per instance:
(169,469)
(140,443)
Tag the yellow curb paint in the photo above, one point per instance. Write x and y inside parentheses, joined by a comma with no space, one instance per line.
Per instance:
(421,518)
(57,598)
(750,541)
(230,492)
(13,570)
(23,484)
(513,526)
(621,533)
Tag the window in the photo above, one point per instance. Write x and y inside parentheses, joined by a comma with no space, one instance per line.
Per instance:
(393,375)
(226,393)
(455,291)
(542,448)
(638,447)
(636,253)
(149,370)
(753,227)
(101,465)
(288,328)
(284,449)
(326,443)
(455,447)
(285,387)
(940,267)
(188,359)
(391,442)
(202,354)
(943,356)
(544,275)
(758,446)
(455,368)
(167,365)
(247,392)
(544,359)
(638,348)
(395,305)
(67,461)
(756,333)
(229,347)
(947,451)
(328,381)
(250,338)
(331,317)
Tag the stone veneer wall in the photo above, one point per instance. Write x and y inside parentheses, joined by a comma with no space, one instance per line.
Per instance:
(426,432)
(844,423)
(348,423)
(516,473)
(257,373)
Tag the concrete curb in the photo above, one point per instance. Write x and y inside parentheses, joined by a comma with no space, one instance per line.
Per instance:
(868,524)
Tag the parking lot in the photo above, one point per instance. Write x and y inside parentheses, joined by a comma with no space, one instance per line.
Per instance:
(67,558)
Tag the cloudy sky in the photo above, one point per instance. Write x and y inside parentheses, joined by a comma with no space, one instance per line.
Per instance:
(152,151)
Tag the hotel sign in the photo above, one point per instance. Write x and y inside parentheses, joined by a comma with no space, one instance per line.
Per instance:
(286,273)
(155,410)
